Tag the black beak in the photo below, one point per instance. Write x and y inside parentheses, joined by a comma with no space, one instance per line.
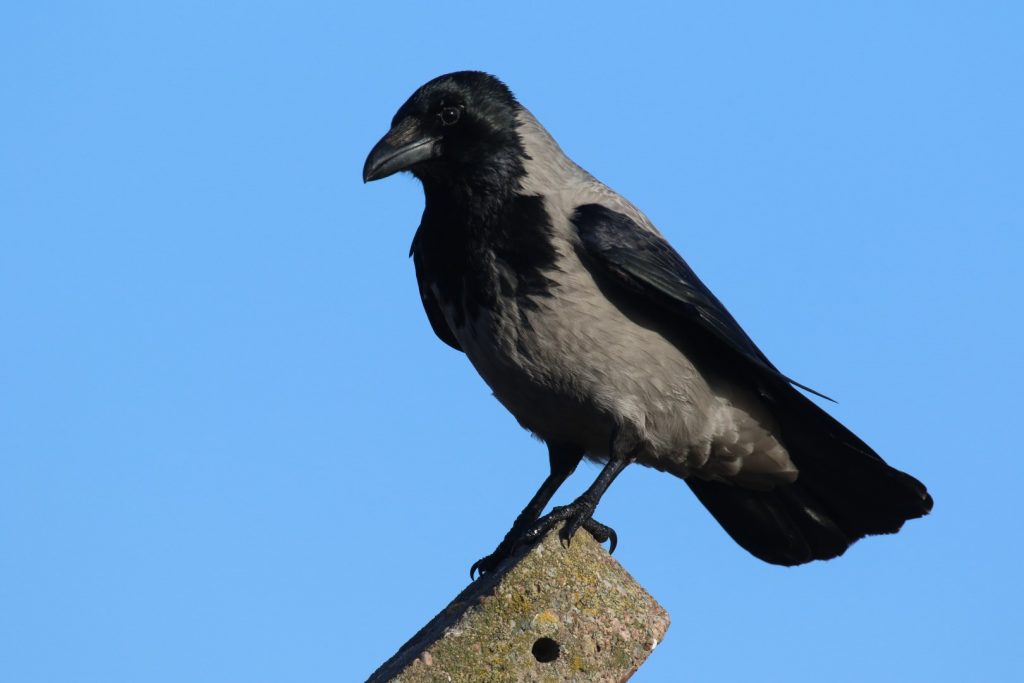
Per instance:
(404,145)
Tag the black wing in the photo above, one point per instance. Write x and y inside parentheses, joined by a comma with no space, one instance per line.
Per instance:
(646,265)
(430,305)
(845,490)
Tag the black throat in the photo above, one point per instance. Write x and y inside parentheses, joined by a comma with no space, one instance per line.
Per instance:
(481,241)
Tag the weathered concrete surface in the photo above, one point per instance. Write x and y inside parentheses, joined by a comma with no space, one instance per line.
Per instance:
(576,605)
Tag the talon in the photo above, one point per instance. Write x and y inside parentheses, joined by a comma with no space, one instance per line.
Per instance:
(571,527)
(602,533)
(481,567)
(487,564)
(575,516)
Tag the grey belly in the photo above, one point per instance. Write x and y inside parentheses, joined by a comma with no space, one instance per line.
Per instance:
(572,368)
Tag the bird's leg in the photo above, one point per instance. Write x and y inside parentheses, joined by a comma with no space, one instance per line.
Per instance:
(564,460)
(579,513)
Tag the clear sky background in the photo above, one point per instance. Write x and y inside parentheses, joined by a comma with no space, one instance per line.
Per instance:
(231,449)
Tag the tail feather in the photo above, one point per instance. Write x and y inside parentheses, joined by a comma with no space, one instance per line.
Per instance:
(772,525)
(844,491)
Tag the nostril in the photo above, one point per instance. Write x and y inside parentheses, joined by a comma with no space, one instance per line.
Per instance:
(546,650)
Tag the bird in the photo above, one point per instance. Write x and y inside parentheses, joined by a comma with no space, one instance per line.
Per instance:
(596,335)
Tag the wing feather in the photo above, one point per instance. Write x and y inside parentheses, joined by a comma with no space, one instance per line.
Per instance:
(642,262)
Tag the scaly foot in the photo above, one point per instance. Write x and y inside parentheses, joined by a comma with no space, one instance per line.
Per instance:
(576,515)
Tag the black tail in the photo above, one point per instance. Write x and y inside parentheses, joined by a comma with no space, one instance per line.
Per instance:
(844,492)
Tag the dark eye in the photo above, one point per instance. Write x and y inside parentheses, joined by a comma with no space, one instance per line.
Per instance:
(450,115)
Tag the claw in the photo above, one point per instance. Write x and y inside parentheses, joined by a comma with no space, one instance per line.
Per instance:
(575,516)
(601,533)
(569,530)
(487,564)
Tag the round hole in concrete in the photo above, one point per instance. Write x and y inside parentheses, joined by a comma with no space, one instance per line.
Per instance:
(546,650)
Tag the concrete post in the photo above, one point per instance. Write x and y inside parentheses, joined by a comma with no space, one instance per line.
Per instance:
(550,613)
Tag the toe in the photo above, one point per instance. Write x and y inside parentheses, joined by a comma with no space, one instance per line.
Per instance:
(477,569)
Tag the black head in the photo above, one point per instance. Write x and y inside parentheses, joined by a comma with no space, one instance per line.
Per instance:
(455,126)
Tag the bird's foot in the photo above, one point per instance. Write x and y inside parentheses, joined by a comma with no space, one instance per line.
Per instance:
(486,565)
(576,515)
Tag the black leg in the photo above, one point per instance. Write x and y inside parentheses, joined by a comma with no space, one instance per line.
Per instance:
(579,513)
(564,460)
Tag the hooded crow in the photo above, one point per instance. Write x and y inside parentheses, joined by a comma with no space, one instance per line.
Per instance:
(600,340)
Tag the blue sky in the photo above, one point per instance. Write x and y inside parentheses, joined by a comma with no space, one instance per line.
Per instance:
(232,449)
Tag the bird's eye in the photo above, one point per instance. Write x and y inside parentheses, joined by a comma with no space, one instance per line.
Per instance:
(449,115)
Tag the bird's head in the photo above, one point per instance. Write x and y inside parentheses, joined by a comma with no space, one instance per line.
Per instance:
(456,126)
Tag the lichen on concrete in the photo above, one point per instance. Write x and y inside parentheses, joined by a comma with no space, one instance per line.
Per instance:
(574,606)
